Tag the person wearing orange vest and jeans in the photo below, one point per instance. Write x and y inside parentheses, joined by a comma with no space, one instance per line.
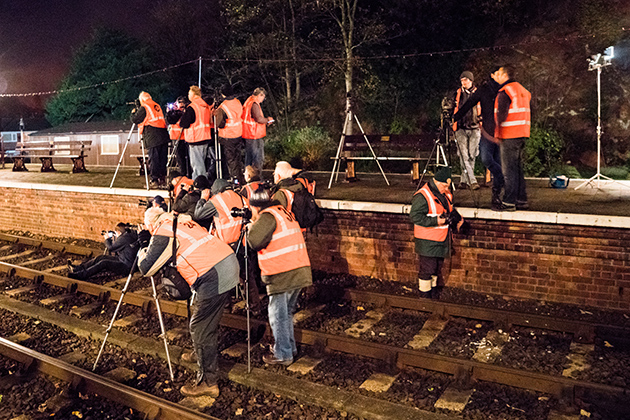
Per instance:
(467,133)
(285,268)
(431,208)
(255,129)
(198,125)
(210,268)
(152,125)
(512,116)
(230,125)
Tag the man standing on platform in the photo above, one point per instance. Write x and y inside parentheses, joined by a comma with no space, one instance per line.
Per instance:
(197,122)
(433,214)
(230,125)
(152,125)
(513,122)
(255,129)
(467,132)
(176,133)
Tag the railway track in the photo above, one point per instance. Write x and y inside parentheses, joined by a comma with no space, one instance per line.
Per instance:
(435,316)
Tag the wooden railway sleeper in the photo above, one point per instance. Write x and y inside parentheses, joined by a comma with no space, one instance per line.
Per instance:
(463,378)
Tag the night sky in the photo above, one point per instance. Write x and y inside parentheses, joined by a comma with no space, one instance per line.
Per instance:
(38,37)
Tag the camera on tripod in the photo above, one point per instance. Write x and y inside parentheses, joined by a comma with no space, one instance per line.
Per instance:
(447,107)
(245,213)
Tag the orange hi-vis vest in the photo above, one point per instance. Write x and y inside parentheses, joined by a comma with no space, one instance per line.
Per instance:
(518,122)
(251,188)
(287,249)
(233,123)
(251,129)
(176,132)
(228,228)
(182,181)
(155,116)
(200,130)
(197,250)
(433,233)
(477,108)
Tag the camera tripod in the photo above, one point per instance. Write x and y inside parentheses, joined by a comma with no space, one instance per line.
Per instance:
(159,312)
(244,288)
(122,155)
(173,154)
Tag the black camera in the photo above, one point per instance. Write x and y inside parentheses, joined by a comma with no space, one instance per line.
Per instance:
(109,233)
(447,108)
(452,219)
(245,212)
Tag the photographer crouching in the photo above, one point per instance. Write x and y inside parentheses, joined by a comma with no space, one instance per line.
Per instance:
(434,218)
(122,243)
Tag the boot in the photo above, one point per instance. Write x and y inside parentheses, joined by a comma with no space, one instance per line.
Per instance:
(496,199)
(425,288)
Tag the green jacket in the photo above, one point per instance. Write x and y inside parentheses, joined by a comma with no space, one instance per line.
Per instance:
(418,215)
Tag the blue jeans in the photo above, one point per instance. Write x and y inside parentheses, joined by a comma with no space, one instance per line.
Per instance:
(200,155)
(255,153)
(512,164)
(468,149)
(491,157)
(281,307)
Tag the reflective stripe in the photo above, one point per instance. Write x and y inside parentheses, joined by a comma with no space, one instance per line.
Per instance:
(281,251)
(430,202)
(193,247)
(515,110)
(513,123)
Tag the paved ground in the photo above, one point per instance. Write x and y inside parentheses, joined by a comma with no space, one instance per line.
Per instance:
(610,198)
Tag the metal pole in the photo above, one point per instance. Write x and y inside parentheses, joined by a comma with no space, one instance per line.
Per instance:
(199,73)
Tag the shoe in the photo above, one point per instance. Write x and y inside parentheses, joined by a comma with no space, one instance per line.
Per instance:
(462,186)
(189,357)
(270,359)
(474,186)
(522,206)
(71,266)
(199,390)
(506,207)
(426,295)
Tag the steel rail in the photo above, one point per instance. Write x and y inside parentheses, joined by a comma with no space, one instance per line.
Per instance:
(87,382)
(401,357)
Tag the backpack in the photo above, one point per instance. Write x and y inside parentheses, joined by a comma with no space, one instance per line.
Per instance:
(173,282)
(305,209)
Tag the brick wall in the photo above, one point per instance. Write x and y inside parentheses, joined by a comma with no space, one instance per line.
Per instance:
(562,263)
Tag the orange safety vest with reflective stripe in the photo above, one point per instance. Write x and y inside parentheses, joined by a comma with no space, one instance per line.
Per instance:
(518,122)
(228,228)
(176,132)
(154,118)
(200,130)
(197,250)
(251,129)
(250,188)
(182,181)
(233,123)
(459,94)
(287,249)
(433,233)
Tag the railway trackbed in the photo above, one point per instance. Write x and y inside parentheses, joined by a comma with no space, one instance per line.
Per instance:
(366,323)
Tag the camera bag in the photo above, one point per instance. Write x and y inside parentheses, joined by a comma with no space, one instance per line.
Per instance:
(173,282)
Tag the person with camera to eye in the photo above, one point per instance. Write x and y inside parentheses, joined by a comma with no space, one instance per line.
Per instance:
(217,205)
(174,113)
(198,124)
(434,218)
(122,245)
(189,195)
(210,267)
(152,125)
(285,266)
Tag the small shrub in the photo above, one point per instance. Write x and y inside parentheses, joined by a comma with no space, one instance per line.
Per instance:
(615,172)
(543,151)
(308,148)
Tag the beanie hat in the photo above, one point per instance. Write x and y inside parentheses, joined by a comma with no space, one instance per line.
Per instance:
(219,185)
(260,197)
(468,75)
(443,174)
(201,183)
(158,199)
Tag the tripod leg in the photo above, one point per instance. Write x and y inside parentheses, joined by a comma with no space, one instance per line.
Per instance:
(371,150)
(337,164)
(122,155)
(111,323)
(159,311)
(144,160)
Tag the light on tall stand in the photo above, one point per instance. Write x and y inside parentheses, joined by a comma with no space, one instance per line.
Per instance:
(596,63)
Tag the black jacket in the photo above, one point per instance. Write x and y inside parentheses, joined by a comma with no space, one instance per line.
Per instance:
(485,94)
(151,136)
(125,247)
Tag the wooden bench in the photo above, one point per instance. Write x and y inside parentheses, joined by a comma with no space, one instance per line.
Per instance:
(395,147)
(47,150)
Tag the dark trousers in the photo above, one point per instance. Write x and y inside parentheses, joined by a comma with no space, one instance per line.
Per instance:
(491,157)
(252,268)
(233,149)
(204,326)
(100,264)
(183,161)
(158,157)
(430,266)
(512,164)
